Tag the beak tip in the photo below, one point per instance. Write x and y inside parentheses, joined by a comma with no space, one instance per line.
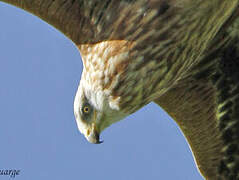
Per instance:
(100,142)
(95,141)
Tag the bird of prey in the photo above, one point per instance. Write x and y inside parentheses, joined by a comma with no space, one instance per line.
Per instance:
(181,54)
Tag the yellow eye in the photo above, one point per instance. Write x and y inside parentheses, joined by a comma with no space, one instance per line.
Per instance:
(86,109)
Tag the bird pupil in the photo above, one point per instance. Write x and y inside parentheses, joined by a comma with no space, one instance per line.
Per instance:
(86,109)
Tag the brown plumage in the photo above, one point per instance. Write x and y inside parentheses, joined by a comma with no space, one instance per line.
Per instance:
(181,54)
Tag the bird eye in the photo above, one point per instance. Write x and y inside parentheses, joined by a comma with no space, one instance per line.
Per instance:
(86,109)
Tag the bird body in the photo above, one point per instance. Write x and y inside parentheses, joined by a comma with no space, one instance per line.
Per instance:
(180,54)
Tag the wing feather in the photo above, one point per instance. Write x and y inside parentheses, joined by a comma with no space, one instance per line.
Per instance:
(205,105)
(65,15)
(193,107)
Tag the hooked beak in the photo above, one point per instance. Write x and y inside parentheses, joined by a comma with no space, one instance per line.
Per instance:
(92,134)
(94,137)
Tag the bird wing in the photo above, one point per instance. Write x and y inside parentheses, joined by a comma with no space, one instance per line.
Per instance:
(92,21)
(205,105)
(193,106)
(87,21)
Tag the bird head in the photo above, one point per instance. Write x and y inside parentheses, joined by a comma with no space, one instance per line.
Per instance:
(94,112)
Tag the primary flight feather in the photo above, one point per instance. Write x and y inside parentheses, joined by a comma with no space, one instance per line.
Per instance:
(181,54)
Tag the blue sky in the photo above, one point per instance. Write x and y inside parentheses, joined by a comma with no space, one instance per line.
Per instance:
(39,73)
